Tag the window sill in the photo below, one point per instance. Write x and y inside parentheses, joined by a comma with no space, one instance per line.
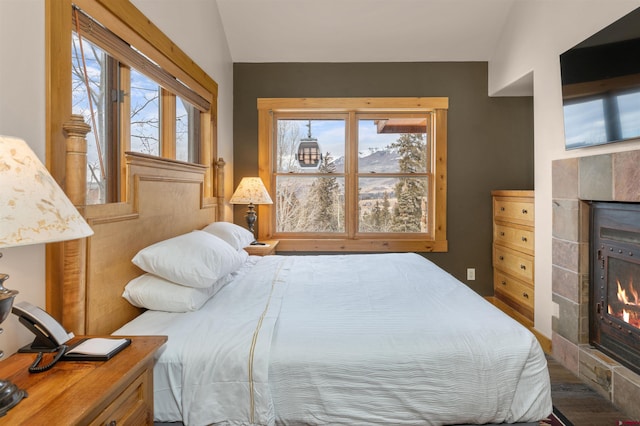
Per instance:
(360,245)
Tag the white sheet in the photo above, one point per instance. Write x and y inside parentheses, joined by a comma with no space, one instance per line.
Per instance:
(398,342)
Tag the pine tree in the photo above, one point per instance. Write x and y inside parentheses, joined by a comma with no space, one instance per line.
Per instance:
(409,191)
(323,201)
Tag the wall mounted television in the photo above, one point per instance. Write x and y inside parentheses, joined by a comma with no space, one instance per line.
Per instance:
(601,85)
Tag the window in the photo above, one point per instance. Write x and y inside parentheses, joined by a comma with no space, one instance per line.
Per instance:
(146,94)
(354,174)
(135,106)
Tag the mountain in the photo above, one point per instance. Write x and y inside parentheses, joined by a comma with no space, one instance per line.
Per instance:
(381,161)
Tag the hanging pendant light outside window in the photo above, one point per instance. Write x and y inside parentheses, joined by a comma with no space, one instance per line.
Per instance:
(309,154)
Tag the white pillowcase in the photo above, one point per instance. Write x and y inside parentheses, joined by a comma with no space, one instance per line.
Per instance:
(155,293)
(197,259)
(236,236)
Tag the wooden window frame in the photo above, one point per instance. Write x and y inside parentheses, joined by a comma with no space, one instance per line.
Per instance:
(436,241)
(131,25)
(128,23)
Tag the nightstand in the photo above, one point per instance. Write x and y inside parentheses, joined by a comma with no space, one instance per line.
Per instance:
(266,250)
(117,391)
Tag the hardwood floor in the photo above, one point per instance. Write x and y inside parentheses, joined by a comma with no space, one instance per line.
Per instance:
(580,404)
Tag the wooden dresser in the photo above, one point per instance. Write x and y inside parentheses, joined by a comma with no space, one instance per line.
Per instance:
(513,250)
(114,392)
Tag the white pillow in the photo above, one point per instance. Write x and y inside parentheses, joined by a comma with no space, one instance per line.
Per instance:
(236,236)
(197,259)
(155,293)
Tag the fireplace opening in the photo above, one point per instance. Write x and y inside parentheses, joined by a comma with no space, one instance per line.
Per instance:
(614,317)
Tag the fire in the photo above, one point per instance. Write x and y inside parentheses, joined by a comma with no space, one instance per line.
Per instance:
(622,294)
(631,300)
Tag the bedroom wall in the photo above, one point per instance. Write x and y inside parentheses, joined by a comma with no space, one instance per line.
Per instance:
(490,142)
(536,33)
(22,103)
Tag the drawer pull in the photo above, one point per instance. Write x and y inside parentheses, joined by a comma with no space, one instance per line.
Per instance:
(524,239)
(502,233)
(501,209)
(112,423)
(503,282)
(524,268)
(525,295)
(501,258)
(525,211)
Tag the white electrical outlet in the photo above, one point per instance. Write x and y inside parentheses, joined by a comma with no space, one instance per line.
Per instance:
(471,274)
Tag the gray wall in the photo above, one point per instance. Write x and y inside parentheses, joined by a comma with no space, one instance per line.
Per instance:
(490,140)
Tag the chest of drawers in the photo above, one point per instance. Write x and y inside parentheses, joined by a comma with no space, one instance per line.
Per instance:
(513,250)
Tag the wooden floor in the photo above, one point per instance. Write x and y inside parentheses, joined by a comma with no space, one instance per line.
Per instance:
(580,404)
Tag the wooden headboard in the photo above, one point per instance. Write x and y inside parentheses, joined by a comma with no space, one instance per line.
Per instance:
(165,198)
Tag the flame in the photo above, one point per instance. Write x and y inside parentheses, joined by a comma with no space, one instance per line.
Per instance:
(622,294)
(628,297)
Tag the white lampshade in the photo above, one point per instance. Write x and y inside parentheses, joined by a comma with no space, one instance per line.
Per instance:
(251,191)
(33,208)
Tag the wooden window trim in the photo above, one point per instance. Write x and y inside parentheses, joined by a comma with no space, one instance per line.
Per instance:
(357,242)
(120,50)
(128,23)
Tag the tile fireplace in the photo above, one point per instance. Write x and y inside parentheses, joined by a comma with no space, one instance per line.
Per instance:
(576,183)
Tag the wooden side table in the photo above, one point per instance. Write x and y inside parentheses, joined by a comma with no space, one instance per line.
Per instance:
(117,391)
(268,249)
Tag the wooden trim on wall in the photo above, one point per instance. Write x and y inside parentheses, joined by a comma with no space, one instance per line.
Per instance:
(57,112)
(356,104)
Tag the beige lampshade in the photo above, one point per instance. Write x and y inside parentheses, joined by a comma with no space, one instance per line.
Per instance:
(33,208)
(251,190)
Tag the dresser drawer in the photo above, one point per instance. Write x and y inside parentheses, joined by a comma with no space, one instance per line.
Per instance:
(132,406)
(515,263)
(515,210)
(517,294)
(517,237)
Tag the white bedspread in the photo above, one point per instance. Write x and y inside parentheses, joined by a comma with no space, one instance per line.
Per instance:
(354,339)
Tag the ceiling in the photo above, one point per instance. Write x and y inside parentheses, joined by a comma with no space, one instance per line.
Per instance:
(363,30)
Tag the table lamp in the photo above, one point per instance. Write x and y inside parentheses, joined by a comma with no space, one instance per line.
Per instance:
(251,191)
(33,210)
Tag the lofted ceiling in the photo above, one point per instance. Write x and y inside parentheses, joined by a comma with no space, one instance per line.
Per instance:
(363,30)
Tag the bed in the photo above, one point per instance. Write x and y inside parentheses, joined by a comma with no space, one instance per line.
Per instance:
(344,339)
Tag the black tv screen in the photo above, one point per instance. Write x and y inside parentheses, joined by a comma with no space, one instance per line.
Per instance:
(601,85)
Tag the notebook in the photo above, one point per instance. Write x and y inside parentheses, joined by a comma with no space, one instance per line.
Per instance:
(96,349)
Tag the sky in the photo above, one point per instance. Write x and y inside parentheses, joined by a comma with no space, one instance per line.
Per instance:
(331,136)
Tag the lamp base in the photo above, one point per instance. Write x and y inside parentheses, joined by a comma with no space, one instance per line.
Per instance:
(251,218)
(10,396)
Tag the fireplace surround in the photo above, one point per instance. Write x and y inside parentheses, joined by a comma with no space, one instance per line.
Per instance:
(576,182)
